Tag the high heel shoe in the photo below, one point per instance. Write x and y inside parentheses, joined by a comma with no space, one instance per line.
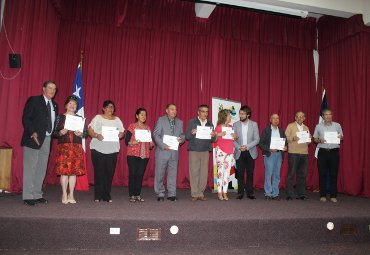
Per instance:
(220,197)
(225,196)
(71,200)
(64,200)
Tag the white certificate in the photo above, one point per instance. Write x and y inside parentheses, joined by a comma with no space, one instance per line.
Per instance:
(203,132)
(74,123)
(277,143)
(331,137)
(229,131)
(110,134)
(171,141)
(143,135)
(304,137)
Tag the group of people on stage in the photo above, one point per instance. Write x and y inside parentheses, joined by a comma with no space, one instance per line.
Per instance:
(235,144)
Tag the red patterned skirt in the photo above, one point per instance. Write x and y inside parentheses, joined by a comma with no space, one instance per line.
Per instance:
(70,159)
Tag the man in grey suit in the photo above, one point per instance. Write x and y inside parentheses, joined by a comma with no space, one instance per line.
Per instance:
(165,158)
(245,150)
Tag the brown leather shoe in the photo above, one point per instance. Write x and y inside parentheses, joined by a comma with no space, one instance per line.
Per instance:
(193,199)
(225,196)
(202,198)
(220,197)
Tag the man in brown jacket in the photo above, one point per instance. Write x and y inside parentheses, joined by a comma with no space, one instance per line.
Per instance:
(297,157)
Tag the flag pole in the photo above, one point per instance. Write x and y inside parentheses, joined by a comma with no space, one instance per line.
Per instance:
(81,59)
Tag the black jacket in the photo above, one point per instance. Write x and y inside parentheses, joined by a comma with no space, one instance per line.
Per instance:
(265,140)
(35,119)
(198,144)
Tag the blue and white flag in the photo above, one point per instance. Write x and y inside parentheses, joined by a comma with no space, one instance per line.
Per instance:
(82,181)
(78,93)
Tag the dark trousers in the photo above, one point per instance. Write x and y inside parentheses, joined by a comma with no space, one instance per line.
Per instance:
(328,162)
(136,168)
(245,162)
(104,167)
(297,165)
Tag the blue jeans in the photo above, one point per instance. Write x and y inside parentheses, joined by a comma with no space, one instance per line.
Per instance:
(272,174)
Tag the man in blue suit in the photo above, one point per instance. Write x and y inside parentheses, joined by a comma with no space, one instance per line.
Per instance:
(245,150)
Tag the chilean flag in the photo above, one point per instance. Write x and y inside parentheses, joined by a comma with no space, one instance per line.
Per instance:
(82,181)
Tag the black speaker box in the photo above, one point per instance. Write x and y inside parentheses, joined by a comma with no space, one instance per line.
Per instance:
(14,60)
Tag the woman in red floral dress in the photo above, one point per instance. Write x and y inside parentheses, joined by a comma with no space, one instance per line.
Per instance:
(70,154)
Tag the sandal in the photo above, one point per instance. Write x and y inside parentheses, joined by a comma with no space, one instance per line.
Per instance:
(132,199)
(139,199)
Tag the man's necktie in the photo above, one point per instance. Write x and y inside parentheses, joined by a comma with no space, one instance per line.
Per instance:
(49,117)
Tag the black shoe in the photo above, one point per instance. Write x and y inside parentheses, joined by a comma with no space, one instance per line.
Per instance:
(41,201)
(173,199)
(277,198)
(30,202)
(160,199)
(240,197)
(267,198)
(304,198)
(251,197)
(289,198)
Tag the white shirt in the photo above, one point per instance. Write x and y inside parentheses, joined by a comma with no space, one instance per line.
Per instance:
(52,115)
(105,147)
(203,123)
(245,132)
(300,127)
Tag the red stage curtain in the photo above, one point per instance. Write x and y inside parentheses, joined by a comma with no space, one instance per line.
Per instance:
(32,28)
(344,71)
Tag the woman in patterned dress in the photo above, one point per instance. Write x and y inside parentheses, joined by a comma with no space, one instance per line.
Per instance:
(224,154)
(70,154)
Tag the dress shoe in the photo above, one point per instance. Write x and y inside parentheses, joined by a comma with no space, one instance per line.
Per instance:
(277,198)
(193,199)
(160,199)
(289,198)
(173,199)
(251,197)
(304,198)
(333,199)
(202,198)
(220,197)
(240,197)
(132,199)
(30,202)
(41,201)
(225,196)
(323,199)
(267,198)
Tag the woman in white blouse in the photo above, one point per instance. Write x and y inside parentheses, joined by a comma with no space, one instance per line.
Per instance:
(104,153)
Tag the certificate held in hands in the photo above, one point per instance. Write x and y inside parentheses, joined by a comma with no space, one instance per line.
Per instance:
(203,132)
(277,143)
(143,135)
(304,137)
(229,131)
(331,137)
(171,141)
(74,123)
(110,134)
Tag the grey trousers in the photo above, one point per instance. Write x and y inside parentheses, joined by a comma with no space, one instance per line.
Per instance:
(198,172)
(35,163)
(161,164)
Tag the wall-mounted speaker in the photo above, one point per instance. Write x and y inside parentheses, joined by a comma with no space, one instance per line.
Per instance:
(14,60)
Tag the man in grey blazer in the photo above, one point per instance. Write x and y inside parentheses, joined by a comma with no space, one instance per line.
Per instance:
(165,158)
(245,150)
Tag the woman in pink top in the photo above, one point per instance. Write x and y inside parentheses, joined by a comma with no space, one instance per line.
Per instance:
(224,153)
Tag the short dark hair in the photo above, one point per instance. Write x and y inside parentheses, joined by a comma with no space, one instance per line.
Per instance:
(170,105)
(46,83)
(138,111)
(203,106)
(108,102)
(247,110)
(326,110)
(69,99)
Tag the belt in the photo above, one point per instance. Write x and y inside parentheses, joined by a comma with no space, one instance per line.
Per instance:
(333,149)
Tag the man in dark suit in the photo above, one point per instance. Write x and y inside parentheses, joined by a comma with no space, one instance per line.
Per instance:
(38,122)
(165,157)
